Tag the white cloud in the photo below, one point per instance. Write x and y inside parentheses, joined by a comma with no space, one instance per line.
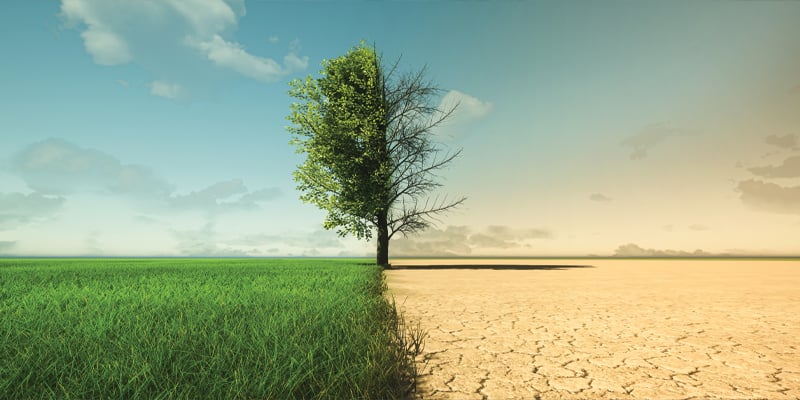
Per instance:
(274,39)
(306,243)
(100,38)
(6,246)
(206,17)
(171,39)
(297,241)
(92,242)
(261,195)
(56,166)
(210,195)
(19,209)
(233,56)
(203,243)
(166,89)
(106,47)
(468,108)
(294,62)
(224,196)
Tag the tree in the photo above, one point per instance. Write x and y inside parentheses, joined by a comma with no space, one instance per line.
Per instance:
(370,158)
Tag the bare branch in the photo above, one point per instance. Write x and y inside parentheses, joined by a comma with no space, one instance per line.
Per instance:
(415,218)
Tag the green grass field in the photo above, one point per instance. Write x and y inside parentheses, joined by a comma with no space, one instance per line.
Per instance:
(197,328)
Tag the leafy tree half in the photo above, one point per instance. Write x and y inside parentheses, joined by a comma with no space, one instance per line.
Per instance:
(370,159)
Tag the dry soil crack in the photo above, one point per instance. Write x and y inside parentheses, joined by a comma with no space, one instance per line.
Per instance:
(621,329)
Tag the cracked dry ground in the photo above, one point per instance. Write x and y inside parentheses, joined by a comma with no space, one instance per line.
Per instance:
(618,329)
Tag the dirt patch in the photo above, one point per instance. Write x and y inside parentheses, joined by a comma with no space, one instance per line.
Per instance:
(615,329)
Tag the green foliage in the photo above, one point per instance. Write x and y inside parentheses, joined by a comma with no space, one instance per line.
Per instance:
(197,328)
(370,161)
(340,124)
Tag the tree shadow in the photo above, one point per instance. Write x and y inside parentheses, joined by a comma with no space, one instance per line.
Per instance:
(520,267)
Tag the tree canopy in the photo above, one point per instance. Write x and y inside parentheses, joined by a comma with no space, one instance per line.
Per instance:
(367,136)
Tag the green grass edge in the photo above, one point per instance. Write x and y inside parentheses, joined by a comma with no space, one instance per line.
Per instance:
(392,348)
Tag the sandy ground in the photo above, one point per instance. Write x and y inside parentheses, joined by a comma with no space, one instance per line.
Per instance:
(605,329)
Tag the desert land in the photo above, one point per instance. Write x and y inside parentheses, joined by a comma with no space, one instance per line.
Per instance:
(604,328)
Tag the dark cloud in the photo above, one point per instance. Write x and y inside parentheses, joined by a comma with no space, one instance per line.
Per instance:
(784,142)
(6,246)
(599,197)
(648,138)
(790,168)
(634,250)
(449,242)
(484,240)
(770,197)
(18,209)
(507,233)
(460,240)
(56,166)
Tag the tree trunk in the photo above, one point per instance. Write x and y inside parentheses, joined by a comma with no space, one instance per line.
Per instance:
(383,241)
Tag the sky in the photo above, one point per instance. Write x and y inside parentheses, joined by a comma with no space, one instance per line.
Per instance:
(158,127)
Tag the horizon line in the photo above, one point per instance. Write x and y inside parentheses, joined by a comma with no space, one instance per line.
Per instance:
(594,257)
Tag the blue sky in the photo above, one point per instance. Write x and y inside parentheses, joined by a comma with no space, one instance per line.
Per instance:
(633,128)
